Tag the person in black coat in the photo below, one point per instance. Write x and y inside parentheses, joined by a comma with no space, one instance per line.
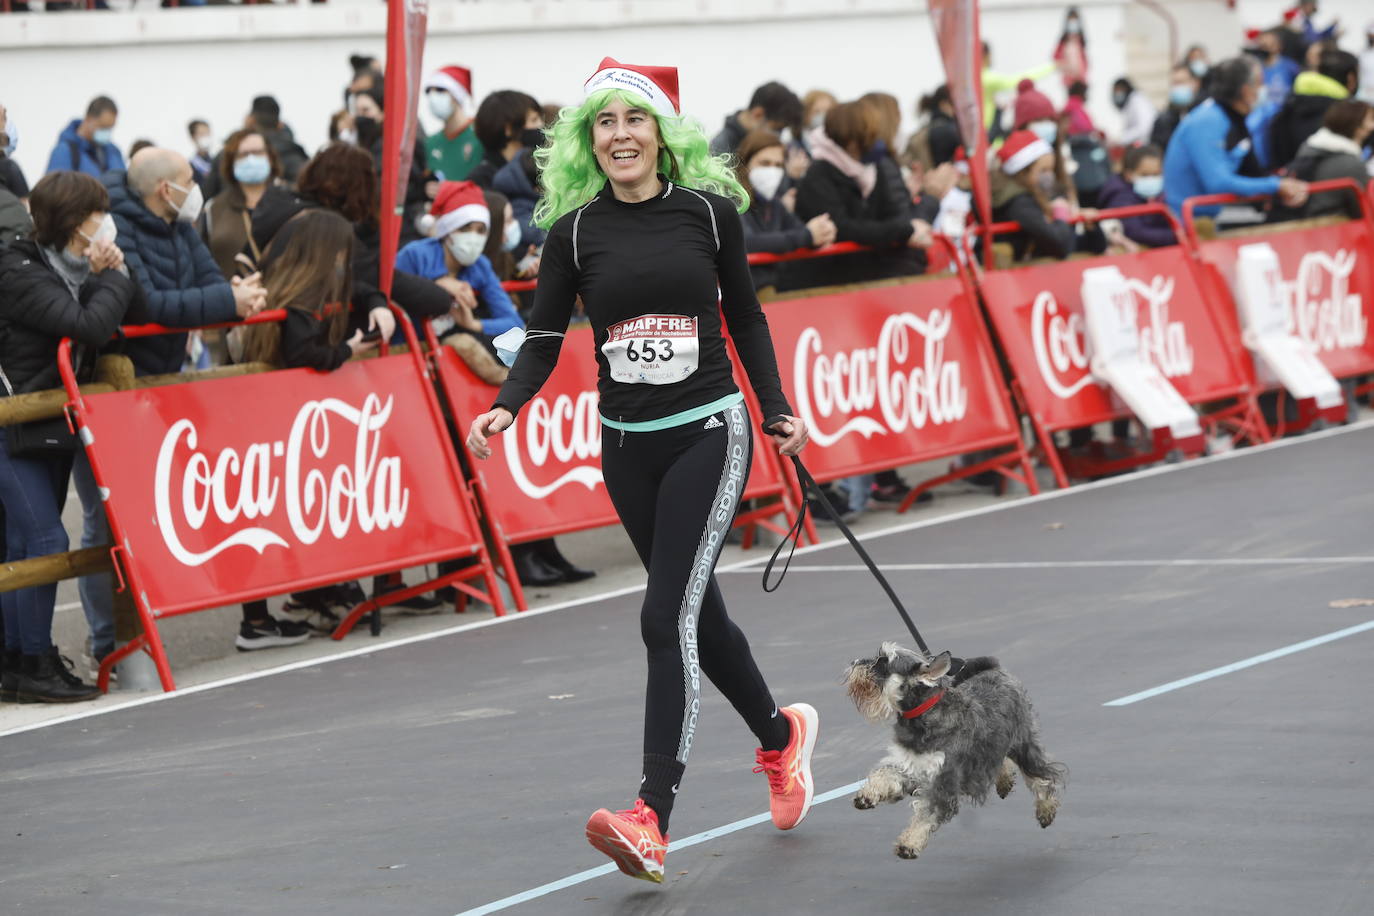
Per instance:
(507,121)
(868,206)
(768,223)
(68,280)
(1022,192)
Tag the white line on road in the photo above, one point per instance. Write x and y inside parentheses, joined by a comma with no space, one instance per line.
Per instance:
(1077,564)
(1240,665)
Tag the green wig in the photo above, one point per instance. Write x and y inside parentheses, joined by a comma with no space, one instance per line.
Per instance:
(570,175)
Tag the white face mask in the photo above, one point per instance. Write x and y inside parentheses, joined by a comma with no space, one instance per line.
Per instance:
(766,179)
(106,232)
(441,104)
(466,247)
(511,240)
(349,135)
(190,206)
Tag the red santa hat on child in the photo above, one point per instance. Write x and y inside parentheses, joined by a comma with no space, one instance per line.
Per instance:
(1021,149)
(457,204)
(656,85)
(456,81)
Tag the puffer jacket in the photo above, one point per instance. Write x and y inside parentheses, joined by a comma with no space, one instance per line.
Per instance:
(181,281)
(1301,115)
(513,180)
(37,310)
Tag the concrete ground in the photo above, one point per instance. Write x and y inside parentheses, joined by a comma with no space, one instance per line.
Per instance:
(1195,639)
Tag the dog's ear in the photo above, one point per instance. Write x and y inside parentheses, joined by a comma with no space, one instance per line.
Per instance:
(933,670)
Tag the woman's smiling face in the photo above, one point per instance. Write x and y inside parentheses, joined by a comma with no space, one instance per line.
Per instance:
(625,140)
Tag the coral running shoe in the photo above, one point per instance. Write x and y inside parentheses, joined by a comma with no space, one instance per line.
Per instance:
(789,770)
(632,839)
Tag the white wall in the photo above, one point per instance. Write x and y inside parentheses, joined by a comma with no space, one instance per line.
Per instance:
(164,67)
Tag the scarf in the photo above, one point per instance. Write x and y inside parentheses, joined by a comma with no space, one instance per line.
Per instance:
(71,275)
(827,150)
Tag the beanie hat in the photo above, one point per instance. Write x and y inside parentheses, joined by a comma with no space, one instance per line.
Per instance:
(456,204)
(1031,105)
(1021,149)
(656,85)
(456,81)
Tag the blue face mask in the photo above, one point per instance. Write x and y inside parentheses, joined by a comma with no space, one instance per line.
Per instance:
(875,153)
(254,168)
(1182,96)
(1149,186)
(1045,130)
(102,135)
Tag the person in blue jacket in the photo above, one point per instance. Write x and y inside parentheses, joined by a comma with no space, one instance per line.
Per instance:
(1212,152)
(453,259)
(86,143)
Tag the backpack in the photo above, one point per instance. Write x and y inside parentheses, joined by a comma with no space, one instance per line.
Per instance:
(1093,167)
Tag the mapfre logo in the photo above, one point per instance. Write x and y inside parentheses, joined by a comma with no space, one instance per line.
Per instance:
(1321,308)
(906,377)
(1060,340)
(327,477)
(568,431)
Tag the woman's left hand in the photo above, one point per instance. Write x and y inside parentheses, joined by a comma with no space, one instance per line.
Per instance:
(795,437)
(381,319)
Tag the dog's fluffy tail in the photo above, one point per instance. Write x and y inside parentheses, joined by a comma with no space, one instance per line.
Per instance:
(1034,763)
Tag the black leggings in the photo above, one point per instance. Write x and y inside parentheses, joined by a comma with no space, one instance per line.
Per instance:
(676,491)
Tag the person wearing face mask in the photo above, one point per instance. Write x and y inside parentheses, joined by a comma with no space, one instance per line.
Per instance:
(518,180)
(1137,114)
(769,225)
(68,280)
(1023,191)
(1141,180)
(155,206)
(367,120)
(1183,95)
(248,167)
(1336,150)
(15,223)
(1071,51)
(200,159)
(454,151)
(507,121)
(86,144)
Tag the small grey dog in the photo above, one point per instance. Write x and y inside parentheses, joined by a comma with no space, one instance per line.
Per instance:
(954,736)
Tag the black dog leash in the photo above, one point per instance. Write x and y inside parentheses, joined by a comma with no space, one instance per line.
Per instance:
(794,535)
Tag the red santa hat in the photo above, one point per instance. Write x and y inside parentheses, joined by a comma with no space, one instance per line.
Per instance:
(456,81)
(457,204)
(961,160)
(1021,149)
(656,85)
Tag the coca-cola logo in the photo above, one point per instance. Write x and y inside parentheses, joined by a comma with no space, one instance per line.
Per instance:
(276,492)
(568,430)
(1321,308)
(1059,338)
(910,383)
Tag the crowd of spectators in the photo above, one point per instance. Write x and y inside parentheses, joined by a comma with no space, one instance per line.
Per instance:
(258,222)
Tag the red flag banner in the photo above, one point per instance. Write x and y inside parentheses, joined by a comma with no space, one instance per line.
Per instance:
(405,44)
(957,33)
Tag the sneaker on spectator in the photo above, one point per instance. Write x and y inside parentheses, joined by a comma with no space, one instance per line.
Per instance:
(269,634)
(318,617)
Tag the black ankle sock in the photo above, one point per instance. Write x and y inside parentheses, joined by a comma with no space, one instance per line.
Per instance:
(777,734)
(662,776)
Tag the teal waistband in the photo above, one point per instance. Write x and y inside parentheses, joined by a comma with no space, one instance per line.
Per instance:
(677,419)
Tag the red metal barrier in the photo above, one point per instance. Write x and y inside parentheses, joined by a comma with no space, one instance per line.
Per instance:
(240,488)
(1327,278)
(1038,315)
(907,375)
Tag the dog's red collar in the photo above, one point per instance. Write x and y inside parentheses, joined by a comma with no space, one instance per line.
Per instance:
(924,707)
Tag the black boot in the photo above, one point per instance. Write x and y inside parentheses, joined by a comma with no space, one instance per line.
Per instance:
(420,602)
(547,550)
(48,679)
(531,568)
(11,665)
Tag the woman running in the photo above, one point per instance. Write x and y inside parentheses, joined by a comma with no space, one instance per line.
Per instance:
(646,229)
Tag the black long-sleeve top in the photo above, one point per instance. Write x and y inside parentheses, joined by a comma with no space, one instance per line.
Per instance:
(662,256)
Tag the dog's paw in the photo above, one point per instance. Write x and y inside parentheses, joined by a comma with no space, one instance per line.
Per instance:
(863,802)
(906,852)
(1045,812)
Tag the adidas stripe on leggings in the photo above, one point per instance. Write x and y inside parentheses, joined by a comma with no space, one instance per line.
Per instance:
(676,491)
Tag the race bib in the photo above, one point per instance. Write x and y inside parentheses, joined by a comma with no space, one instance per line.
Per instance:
(652,349)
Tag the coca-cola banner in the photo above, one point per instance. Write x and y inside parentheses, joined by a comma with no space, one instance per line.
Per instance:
(1326,276)
(890,376)
(1038,314)
(252,486)
(544,474)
